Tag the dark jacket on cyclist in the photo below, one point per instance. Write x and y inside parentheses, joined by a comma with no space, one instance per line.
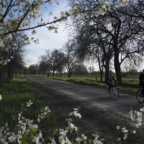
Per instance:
(141,82)
(141,79)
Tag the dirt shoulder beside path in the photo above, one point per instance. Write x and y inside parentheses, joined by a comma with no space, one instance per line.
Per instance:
(100,112)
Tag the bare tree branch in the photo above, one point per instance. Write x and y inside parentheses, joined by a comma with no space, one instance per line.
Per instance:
(6,11)
(127,55)
(33,27)
(23,17)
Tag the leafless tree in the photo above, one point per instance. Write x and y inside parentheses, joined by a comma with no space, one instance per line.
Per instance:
(70,56)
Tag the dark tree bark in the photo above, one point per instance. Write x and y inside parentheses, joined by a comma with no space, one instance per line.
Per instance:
(69,74)
(10,71)
(100,68)
(106,69)
(117,67)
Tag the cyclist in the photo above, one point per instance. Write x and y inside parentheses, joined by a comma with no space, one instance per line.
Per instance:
(111,82)
(141,82)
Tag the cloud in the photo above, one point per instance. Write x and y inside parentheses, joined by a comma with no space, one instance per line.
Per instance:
(48,40)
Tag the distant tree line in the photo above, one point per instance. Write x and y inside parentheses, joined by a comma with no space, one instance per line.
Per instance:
(58,62)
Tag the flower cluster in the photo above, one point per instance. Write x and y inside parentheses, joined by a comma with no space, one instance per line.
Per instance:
(75,113)
(124,133)
(0,97)
(71,134)
(30,131)
(43,113)
(29,103)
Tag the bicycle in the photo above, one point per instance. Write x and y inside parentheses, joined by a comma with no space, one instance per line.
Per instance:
(113,90)
(140,95)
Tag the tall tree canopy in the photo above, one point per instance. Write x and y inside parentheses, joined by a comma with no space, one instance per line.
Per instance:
(103,27)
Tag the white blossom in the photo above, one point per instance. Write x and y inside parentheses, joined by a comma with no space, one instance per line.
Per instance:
(0,97)
(78,140)
(118,139)
(96,140)
(125,136)
(134,131)
(84,137)
(142,109)
(63,139)
(72,127)
(2,43)
(124,130)
(118,127)
(12,138)
(44,113)
(29,103)
(75,113)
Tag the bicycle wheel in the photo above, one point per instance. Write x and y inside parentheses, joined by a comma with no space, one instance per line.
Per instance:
(115,92)
(139,96)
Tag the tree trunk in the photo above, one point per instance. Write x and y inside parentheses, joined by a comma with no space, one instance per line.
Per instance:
(0,76)
(69,74)
(116,54)
(117,65)
(117,69)
(100,68)
(10,72)
(53,73)
(101,75)
(106,70)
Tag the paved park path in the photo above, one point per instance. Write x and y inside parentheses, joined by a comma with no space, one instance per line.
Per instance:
(101,113)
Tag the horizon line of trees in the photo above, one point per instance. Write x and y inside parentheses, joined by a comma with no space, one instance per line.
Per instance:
(58,62)
(65,62)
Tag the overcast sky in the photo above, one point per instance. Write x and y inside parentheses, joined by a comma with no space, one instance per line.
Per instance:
(48,40)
